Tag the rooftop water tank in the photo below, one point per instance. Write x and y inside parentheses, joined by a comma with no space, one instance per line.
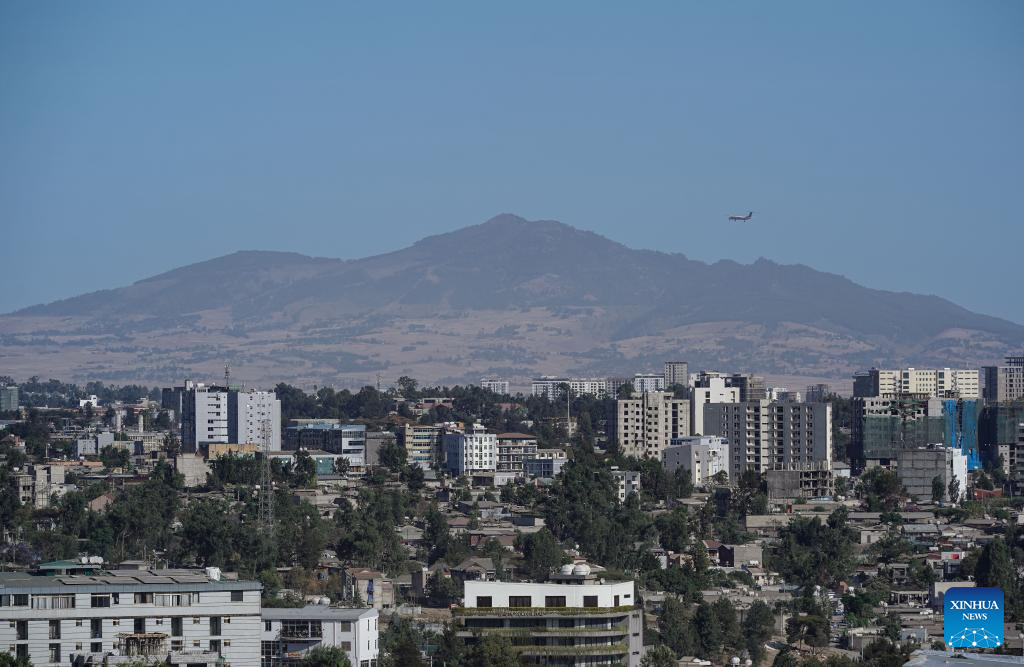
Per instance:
(213,573)
(567,568)
(581,569)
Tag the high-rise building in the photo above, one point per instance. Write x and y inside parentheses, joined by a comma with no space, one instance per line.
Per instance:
(70,612)
(328,435)
(752,387)
(882,426)
(765,435)
(1005,383)
(472,451)
(646,423)
(575,619)
(712,390)
(211,414)
(929,382)
(917,468)
(497,386)
(9,398)
(677,372)
(422,444)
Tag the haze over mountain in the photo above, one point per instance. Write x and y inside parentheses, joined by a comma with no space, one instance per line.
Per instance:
(508,297)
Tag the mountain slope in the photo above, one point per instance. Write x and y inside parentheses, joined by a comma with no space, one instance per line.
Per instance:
(508,296)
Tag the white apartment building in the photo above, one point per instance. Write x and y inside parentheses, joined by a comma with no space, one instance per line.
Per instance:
(677,372)
(76,613)
(470,452)
(714,391)
(933,382)
(703,456)
(644,382)
(551,387)
(288,634)
(575,619)
(248,410)
(626,482)
(765,435)
(646,423)
(545,463)
(497,386)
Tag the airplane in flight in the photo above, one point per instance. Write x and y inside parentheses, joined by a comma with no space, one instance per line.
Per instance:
(741,218)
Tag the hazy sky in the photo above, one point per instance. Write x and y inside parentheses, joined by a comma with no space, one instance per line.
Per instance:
(880,140)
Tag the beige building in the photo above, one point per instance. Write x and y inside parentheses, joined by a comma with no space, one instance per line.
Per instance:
(766,435)
(1005,383)
(934,382)
(646,423)
(713,391)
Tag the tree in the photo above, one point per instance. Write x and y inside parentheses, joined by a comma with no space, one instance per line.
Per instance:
(407,387)
(8,660)
(304,470)
(705,623)
(954,490)
(441,590)
(325,656)
(758,626)
(392,456)
(996,569)
(625,390)
(541,553)
(414,477)
(492,651)
(809,629)
(677,632)
(938,489)
(341,466)
(115,457)
(659,656)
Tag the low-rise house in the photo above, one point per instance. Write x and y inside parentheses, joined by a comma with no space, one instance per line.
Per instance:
(371,586)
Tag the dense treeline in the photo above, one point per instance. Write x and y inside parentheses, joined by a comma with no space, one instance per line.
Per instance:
(51,393)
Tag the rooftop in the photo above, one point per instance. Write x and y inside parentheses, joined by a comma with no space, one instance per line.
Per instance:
(315,612)
(111,581)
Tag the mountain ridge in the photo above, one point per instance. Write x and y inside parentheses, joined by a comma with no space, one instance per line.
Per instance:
(566,300)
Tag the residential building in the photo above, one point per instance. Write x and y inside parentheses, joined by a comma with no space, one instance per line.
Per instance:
(1005,383)
(752,387)
(545,463)
(646,423)
(72,612)
(573,619)
(329,435)
(817,393)
(626,482)
(470,452)
(370,586)
(918,467)
(738,555)
(289,634)
(677,372)
(784,395)
(497,386)
(212,414)
(644,382)
(9,398)
(513,450)
(933,382)
(248,411)
(711,390)
(765,435)
(702,456)
(552,387)
(421,443)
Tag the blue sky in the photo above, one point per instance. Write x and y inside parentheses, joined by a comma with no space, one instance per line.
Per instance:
(882,141)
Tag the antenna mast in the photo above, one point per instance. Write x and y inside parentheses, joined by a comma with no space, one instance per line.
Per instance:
(266,480)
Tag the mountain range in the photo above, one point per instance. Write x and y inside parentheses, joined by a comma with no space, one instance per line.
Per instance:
(509,298)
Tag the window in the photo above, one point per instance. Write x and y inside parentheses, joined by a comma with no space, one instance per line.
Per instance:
(177,645)
(96,647)
(215,646)
(100,600)
(519,601)
(215,625)
(54,652)
(21,633)
(346,646)
(589,600)
(176,627)
(53,601)
(143,598)
(346,626)
(554,600)
(140,625)
(172,600)
(483,601)
(54,629)
(96,628)
(236,596)
(20,600)
(267,626)
(21,651)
